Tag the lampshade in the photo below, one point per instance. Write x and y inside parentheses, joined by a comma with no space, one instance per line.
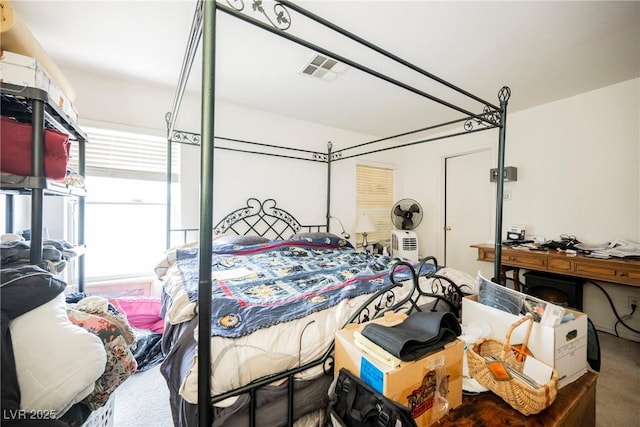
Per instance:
(364,224)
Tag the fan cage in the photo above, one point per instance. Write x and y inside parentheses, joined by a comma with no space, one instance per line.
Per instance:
(405,205)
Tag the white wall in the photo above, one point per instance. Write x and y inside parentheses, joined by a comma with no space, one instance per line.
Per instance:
(124,103)
(578,173)
(299,186)
(578,166)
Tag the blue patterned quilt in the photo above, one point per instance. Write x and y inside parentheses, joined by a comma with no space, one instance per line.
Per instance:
(261,285)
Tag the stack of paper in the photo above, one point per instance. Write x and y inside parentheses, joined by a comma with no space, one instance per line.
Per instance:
(375,351)
(618,248)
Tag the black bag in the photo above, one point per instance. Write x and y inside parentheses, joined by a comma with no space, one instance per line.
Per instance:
(353,403)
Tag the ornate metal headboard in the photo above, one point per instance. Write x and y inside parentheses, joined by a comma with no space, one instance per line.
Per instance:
(256,219)
(263,219)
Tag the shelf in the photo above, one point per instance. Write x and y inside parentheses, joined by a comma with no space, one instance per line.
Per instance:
(16,184)
(32,105)
(17,102)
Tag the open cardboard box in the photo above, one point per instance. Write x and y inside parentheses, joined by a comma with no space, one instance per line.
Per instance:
(411,384)
(563,346)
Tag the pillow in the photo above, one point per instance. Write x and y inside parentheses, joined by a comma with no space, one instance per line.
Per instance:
(26,287)
(57,362)
(239,240)
(322,238)
(121,363)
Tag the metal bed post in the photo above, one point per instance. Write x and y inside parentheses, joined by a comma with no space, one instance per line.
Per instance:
(329,146)
(206,213)
(168,183)
(503,95)
(194,39)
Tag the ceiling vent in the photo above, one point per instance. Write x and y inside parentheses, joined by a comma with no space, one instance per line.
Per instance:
(324,68)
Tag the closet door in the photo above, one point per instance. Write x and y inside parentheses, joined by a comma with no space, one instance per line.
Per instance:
(469,209)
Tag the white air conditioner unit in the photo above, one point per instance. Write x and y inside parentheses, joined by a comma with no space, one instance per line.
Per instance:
(404,244)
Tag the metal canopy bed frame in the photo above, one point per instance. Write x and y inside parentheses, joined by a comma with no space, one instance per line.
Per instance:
(204,27)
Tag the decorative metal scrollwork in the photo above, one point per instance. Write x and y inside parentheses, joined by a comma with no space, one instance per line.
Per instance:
(504,93)
(234,217)
(265,213)
(448,290)
(336,156)
(236,4)
(185,138)
(492,115)
(321,157)
(386,301)
(468,125)
(382,303)
(488,117)
(281,214)
(363,316)
(282,19)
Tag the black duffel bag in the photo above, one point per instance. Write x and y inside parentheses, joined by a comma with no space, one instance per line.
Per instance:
(353,403)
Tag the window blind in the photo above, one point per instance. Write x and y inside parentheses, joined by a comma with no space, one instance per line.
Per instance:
(116,154)
(375,198)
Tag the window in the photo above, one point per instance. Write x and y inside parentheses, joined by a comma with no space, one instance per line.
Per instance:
(125,212)
(375,198)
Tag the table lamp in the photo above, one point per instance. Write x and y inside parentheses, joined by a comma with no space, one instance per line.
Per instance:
(364,225)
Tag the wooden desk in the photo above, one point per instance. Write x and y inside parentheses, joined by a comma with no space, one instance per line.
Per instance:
(575,406)
(616,270)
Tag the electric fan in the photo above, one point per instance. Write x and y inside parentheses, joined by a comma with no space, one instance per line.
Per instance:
(405,216)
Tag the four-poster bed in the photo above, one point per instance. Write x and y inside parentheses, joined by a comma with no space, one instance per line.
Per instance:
(409,296)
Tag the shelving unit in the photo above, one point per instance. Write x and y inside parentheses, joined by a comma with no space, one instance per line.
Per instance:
(31,105)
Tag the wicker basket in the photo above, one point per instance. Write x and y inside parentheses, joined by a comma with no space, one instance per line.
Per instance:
(521,396)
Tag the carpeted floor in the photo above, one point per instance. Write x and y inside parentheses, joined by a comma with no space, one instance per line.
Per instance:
(618,386)
(143,399)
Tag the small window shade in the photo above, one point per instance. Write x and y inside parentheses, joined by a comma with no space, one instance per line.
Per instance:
(375,198)
(126,155)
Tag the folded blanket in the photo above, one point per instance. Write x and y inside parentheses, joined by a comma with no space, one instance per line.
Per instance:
(420,334)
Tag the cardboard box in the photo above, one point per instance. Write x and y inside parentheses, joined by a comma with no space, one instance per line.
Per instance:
(563,347)
(412,383)
(27,71)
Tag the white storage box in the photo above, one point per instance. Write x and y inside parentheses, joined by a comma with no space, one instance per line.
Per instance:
(27,71)
(563,347)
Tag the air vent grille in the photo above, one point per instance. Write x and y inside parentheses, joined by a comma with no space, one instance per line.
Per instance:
(409,244)
(324,68)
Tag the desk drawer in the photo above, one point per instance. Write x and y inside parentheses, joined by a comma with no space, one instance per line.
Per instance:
(629,276)
(590,269)
(525,260)
(614,273)
(561,265)
(634,275)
